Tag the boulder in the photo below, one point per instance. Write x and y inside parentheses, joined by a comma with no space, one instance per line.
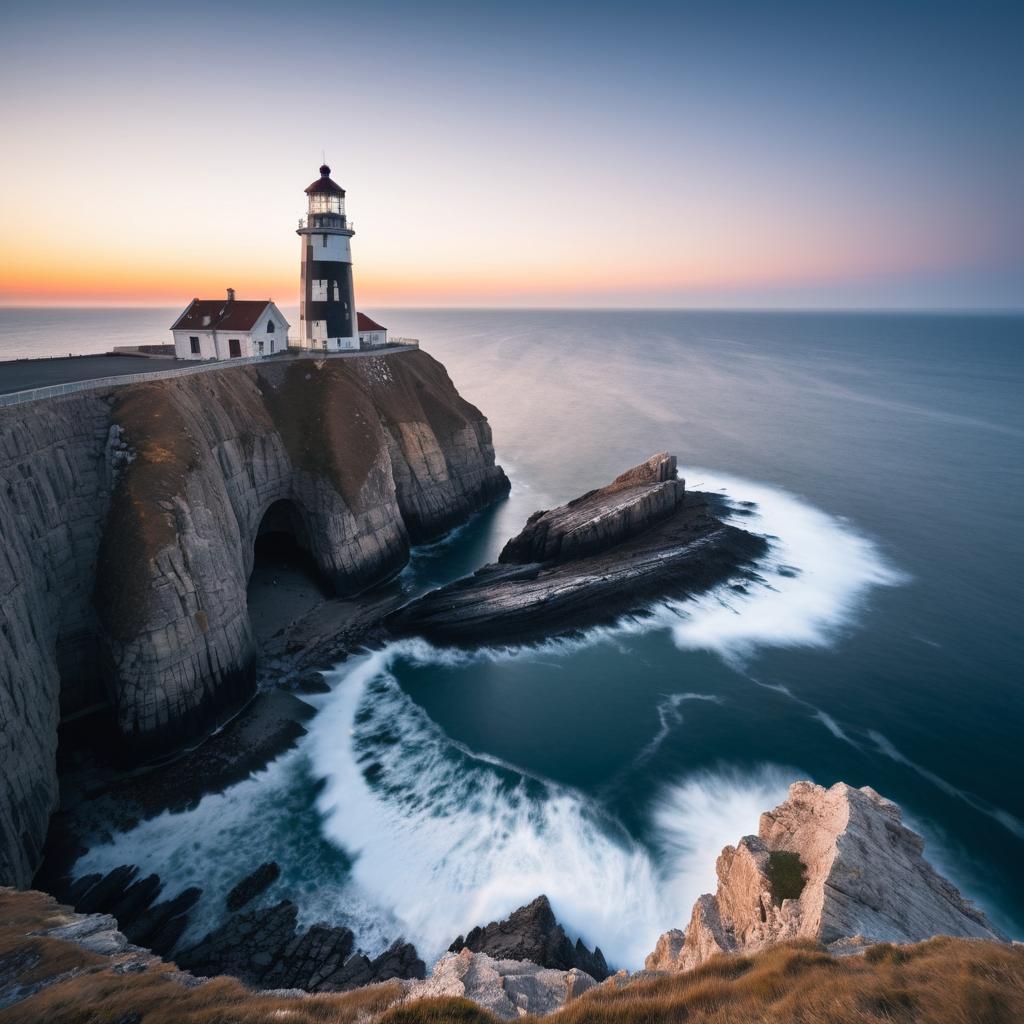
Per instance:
(508,988)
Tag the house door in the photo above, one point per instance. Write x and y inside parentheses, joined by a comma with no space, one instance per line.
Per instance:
(234,348)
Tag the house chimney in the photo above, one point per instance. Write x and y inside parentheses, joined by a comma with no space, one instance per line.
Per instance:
(231,295)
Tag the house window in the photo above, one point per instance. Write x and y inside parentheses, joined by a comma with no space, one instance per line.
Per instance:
(234,348)
(319,291)
(270,327)
(194,345)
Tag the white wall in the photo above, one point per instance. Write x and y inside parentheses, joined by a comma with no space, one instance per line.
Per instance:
(216,344)
(373,338)
(183,346)
(273,341)
(336,249)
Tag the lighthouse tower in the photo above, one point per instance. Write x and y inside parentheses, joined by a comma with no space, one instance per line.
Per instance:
(327,310)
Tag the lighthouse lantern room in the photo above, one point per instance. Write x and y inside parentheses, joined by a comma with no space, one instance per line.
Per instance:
(327,318)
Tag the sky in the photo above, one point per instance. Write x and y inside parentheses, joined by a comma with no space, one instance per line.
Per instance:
(784,154)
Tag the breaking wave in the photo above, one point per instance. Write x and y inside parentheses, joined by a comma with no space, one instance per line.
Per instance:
(382,822)
(420,814)
(814,578)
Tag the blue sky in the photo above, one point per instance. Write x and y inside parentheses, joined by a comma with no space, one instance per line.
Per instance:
(583,154)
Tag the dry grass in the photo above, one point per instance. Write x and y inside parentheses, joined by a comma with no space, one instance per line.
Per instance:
(943,981)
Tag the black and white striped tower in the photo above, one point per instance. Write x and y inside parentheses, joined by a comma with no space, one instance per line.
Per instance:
(327,309)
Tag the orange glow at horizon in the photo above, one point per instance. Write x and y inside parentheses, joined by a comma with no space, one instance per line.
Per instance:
(167,279)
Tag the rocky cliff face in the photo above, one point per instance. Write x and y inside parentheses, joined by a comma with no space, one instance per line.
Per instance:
(834,865)
(127,526)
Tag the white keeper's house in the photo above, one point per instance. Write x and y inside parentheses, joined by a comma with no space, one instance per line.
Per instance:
(229,328)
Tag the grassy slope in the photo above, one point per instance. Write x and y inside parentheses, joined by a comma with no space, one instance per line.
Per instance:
(943,981)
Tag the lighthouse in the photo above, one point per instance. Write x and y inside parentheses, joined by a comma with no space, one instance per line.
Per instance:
(327,311)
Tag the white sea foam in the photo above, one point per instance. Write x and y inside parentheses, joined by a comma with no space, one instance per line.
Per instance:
(696,817)
(420,814)
(670,716)
(834,727)
(426,838)
(814,578)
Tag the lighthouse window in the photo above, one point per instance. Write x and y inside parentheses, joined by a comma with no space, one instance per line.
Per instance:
(319,291)
(337,294)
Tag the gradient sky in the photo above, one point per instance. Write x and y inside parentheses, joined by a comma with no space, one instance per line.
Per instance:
(584,154)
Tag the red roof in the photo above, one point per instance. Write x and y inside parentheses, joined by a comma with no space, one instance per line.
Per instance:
(324,184)
(224,315)
(366,324)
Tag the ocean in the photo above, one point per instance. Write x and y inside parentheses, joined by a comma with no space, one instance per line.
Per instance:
(882,645)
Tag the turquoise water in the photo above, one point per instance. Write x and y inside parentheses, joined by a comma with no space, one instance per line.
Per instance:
(883,457)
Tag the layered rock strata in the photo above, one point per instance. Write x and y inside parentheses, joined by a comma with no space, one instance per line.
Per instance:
(834,865)
(607,553)
(127,524)
(639,498)
(532,933)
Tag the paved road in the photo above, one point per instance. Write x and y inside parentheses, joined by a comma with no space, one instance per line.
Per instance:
(23,374)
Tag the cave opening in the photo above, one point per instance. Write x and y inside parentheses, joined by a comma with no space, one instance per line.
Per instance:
(285,582)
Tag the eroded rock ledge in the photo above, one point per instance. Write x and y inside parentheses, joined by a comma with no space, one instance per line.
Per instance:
(127,524)
(602,555)
(837,866)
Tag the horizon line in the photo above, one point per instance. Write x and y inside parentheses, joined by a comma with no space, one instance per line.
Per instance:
(995,310)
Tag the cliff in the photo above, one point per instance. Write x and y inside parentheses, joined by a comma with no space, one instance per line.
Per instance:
(128,519)
(836,866)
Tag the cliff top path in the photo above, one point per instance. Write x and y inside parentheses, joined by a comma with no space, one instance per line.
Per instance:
(27,374)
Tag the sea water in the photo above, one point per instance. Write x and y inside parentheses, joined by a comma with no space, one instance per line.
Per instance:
(881,454)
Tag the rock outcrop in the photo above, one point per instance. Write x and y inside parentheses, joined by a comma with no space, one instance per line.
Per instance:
(603,555)
(598,520)
(265,948)
(532,933)
(508,988)
(128,518)
(834,865)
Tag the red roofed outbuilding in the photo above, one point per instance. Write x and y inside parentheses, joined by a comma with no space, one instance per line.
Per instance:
(371,333)
(229,328)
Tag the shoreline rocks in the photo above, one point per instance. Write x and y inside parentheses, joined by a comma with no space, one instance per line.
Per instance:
(605,554)
(837,866)
(508,988)
(532,933)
